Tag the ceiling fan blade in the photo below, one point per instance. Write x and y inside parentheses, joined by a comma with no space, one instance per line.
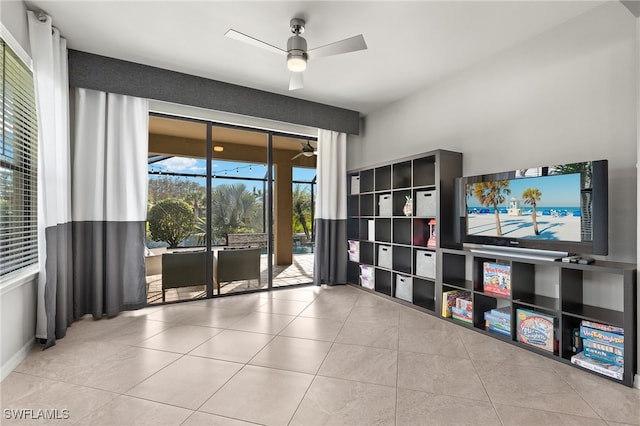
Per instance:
(352,44)
(296,82)
(254,42)
(296,156)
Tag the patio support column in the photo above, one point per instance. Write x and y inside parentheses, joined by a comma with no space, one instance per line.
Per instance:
(283,215)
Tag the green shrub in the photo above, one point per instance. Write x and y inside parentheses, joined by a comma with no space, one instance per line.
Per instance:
(171,220)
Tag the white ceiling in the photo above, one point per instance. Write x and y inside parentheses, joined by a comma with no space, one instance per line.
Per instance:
(411,44)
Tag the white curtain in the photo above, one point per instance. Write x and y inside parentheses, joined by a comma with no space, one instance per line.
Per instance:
(331,209)
(92,194)
(49,54)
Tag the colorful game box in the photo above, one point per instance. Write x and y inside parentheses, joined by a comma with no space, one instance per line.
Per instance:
(498,330)
(497,322)
(462,314)
(496,278)
(602,336)
(535,329)
(449,300)
(604,356)
(504,313)
(603,327)
(603,368)
(589,343)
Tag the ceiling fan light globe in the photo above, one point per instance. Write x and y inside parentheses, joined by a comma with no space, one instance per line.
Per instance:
(308,153)
(296,63)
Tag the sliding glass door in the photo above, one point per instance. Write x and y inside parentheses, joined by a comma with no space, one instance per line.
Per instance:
(230,209)
(177,210)
(239,216)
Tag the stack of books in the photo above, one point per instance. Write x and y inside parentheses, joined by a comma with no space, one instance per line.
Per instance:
(602,349)
(498,321)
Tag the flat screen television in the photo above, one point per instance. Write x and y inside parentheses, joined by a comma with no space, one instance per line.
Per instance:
(559,208)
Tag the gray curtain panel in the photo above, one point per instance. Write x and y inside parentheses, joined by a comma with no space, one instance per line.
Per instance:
(331,210)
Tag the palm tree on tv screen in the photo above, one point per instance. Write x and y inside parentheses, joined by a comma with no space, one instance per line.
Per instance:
(531,196)
(492,194)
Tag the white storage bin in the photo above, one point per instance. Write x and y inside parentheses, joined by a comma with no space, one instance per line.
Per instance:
(404,288)
(384,257)
(354,251)
(385,205)
(367,277)
(355,184)
(371,230)
(368,282)
(426,263)
(426,203)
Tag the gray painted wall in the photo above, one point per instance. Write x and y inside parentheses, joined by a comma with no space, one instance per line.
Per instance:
(116,76)
(567,95)
(17,302)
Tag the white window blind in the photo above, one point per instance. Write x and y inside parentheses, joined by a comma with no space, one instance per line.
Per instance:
(18,165)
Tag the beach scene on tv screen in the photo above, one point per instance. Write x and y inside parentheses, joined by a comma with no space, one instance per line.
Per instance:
(545,208)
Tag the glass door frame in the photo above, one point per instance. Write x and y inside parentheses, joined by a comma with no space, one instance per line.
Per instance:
(268,207)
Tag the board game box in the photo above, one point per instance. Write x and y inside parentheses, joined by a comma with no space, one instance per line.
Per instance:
(609,370)
(449,300)
(603,327)
(496,278)
(604,356)
(589,343)
(602,336)
(497,322)
(535,329)
(462,314)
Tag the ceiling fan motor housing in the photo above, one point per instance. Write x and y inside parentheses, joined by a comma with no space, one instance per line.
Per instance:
(297,46)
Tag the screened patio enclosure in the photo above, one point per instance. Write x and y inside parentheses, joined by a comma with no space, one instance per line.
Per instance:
(230,209)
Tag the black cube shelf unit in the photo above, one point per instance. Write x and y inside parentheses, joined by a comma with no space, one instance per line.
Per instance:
(393,245)
(389,254)
(556,289)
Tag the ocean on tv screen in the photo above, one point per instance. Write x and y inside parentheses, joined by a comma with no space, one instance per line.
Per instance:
(555,199)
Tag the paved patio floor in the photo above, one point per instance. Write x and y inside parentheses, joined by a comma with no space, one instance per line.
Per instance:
(299,272)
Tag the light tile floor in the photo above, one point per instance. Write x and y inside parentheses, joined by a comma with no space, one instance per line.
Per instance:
(302,356)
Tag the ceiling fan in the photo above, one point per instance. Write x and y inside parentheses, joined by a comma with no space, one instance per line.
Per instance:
(307,151)
(297,53)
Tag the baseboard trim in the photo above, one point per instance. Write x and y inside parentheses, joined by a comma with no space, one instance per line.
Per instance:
(16,359)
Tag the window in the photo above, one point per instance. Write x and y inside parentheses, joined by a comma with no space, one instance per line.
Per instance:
(18,165)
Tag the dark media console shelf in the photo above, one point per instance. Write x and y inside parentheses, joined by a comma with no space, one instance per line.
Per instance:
(390,254)
(564,291)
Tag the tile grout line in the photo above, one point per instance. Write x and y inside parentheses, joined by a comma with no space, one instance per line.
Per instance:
(315,376)
(475,368)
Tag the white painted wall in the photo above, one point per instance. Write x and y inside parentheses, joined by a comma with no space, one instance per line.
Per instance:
(13,15)
(567,95)
(17,296)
